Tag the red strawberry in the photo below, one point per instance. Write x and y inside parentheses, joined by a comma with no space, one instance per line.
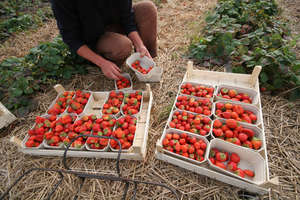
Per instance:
(232,166)
(249,173)
(235,158)
(220,164)
(220,156)
(256,142)
(240,173)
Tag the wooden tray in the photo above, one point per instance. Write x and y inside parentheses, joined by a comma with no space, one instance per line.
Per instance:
(136,152)
(220,78)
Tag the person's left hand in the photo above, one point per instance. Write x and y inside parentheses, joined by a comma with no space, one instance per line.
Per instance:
(143,51)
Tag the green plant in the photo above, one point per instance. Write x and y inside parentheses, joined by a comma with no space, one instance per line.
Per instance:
(45,64)
(246,34)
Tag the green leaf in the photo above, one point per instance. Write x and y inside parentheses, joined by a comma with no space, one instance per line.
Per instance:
(263,77)
(17,92)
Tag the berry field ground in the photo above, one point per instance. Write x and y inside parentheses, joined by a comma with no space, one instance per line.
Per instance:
(178,22)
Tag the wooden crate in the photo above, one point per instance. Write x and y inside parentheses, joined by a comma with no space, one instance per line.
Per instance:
(6,117)
(215,79)
(136,152)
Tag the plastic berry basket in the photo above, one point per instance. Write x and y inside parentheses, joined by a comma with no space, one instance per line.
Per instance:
(171,130)
(127,76)
(130,92)
(249,160)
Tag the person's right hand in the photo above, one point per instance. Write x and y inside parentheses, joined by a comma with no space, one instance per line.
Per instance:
(110,70)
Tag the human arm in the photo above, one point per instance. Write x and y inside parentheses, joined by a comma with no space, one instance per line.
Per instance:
(108,68)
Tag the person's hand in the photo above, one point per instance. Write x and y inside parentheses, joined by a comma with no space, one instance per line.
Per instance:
(110,70)
(143,51)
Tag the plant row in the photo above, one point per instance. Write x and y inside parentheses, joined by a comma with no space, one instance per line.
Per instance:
(244,34)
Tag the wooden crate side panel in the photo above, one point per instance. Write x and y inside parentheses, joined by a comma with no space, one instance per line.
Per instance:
(217,78)
(6,117)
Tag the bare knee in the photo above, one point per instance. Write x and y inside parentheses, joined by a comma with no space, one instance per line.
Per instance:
(146,7)
(121,50)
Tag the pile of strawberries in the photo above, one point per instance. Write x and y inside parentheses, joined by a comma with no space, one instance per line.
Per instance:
(228,162)
(61,103)
(113,104)
(185,145)
(100,127)
(235,133)
(124,131)
(235,111)
(78,103)
(59,130)
(197,90)
(137,65)
(132,103)
(82,126)
(199,106)
(123,83)
(185,121)
(233,95)
(42,126)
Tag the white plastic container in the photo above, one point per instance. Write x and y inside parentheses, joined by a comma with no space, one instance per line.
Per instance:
(249,160)
(197,84)
(248,107)
(170,130)
(197,98)
(153,76)
(61,146)
(258,133)
(127,76)
(124,150)
(194,134)
(85,106)
(252,94)
(130,92)
(27,136)
(119,113)
(54,101)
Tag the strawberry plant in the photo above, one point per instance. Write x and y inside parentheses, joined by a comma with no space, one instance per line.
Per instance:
(44,65)
(244,34)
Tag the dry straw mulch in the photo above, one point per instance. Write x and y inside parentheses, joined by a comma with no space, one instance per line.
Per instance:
(176,20)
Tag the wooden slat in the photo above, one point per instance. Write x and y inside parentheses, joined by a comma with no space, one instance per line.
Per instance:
(6,117)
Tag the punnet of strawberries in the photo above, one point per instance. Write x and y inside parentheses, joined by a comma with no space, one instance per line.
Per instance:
(59,130)
(193,104)
(197,90)
(137,65)
(78,103)
(42,126)
(124,132)
(113,104)
(185,145)
(83,126)
(229,162)
(233,132)
(101,127)
(123,83)
(234,95)
(190,122)
(229,110)
(132,103)
(61,103)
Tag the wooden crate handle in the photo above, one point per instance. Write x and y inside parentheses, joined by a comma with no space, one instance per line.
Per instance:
(16,141)
(59,88)
(254,76)
(189,70)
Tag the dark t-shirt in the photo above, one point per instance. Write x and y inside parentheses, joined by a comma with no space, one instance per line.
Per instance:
(83,21)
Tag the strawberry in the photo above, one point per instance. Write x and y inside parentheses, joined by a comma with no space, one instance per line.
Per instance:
(220,164)
(220,156)
(256,142)
(232,166)
(235,158)
(240,173)
(243,137)
(248,172)
(231,123)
